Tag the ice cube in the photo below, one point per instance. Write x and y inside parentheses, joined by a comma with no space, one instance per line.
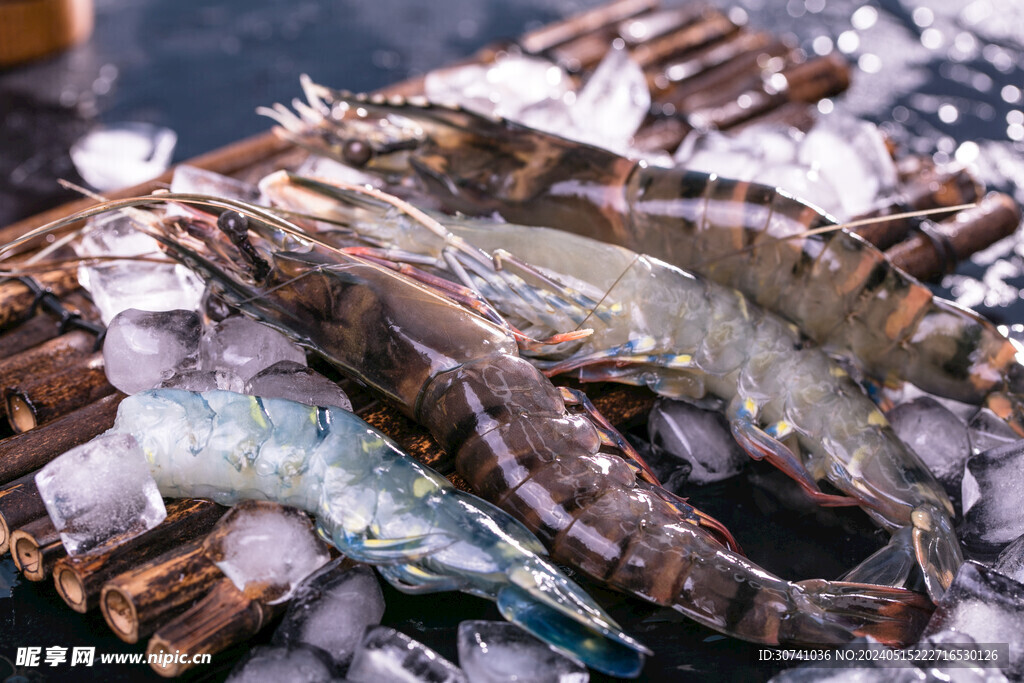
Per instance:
(498,651)
(245,347)
(296,382)
(850,154)
(295,664)
(205,380)
(959,672)
(195,180)
(121,284)
(332,609)
(118,155)
(691,445)
(987,430)
(141,349)
(993,498)
(388,655)
(1011,561)
(988,607)
(613,102)
(505,87)
(260,543)
(100,490)
(937,436)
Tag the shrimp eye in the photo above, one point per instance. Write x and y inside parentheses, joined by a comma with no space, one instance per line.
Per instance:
(356,152)
(234,225)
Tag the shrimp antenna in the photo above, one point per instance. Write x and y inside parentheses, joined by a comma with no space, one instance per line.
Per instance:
(842,226)
(636,257)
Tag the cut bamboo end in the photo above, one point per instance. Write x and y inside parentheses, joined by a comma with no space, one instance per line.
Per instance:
(120,614)
(27,555)
(36,547)
(71,589)
(38,401)
(20,504)
(137,602)
(20,413)
(79,580)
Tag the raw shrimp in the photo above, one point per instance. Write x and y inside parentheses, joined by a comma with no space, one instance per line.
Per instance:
(838,289)
(509,429)
(375,503)
(683,337)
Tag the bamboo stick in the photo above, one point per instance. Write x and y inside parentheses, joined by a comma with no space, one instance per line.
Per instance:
(807,82)
(46,358)
(741,60)
(17,299)
(80,579)
(935,250)
(35,402)
(20,503)
(224,617)
(561,32)
(23,453)
(585,52)
(931,189)
(36,547)
(137,602)
(711,28)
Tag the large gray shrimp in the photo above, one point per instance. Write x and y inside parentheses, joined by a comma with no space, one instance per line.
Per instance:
(558,471)
(685,337)
(375,503)
(837,288)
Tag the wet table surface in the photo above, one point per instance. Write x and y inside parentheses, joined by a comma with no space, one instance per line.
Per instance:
(942,77)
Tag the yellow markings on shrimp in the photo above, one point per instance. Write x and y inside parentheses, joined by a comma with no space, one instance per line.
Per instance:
(876,419)
(837,371)
(256,412)
(422,487)
(780,429)
(681,360)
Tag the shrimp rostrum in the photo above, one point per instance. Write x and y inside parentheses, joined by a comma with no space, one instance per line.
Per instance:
(511,433)
(837,288)
(375,503)
(683,337)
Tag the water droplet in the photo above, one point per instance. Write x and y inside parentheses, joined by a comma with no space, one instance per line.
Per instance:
(814,6)
(923,17)
(948,113)
(822,45)
(965,45)
(1010,93)
(900,114)
(1015,132)
(981,82)
(932,38)
(826,106)
(864,18)
(848,41)
(870,63)
(967,152)
(1015,116)
(796,8)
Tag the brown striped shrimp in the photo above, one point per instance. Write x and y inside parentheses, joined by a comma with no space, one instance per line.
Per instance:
(516,438)
(778,250)
(682,336)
